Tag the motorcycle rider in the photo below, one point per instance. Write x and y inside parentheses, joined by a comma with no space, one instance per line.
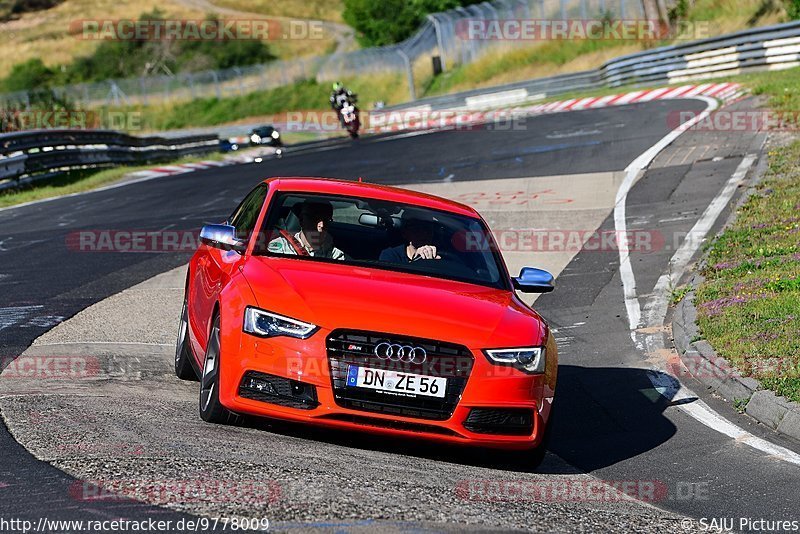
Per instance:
(340,97)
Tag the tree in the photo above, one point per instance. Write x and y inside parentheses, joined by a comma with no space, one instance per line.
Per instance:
(792,8)
(31,73)
(385,22)
(10,9)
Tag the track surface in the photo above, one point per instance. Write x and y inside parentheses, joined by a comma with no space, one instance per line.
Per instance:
(606,423)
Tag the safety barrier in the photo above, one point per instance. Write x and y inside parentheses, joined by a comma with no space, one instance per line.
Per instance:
(767,48)
(40,152)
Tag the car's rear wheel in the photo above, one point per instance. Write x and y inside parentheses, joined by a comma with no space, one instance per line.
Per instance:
(183,352)
(211,410)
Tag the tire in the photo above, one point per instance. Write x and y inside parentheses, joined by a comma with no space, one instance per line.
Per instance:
(536,456)
(183,352)
(211,410)
(353,135)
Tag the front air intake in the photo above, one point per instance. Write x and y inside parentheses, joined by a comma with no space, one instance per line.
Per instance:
(504,421)
(278,390)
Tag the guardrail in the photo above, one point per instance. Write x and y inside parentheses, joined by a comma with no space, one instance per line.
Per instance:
(30,154)
(766,48)
(12,167)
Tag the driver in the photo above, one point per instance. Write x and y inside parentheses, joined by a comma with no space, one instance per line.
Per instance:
(313,238)
(340,96)
(418,245)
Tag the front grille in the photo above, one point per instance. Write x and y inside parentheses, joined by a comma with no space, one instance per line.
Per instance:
(508,421)
(349,347)
(278,390)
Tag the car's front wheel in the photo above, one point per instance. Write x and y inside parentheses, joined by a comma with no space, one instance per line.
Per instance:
(211,410)
(183,354)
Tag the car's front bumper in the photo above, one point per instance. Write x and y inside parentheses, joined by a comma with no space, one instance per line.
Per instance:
(306,361)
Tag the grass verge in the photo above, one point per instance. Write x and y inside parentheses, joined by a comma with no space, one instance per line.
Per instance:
(79,181)
(301,96)
(749,304)
(779,86)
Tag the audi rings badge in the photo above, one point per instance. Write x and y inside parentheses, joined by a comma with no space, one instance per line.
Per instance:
(400,353)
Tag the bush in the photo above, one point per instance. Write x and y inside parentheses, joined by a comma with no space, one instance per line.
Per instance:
(793,8)
(391,21)
(32,73)
(12,115)
(126,58)
(10,9)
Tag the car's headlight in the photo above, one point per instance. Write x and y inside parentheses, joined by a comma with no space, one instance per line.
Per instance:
(255,138)
(267,324)
(529,359)
(275,134)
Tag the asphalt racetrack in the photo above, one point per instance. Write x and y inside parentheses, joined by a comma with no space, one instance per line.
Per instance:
(612,421)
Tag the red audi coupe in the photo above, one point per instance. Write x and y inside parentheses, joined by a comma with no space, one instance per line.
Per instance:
(364,307)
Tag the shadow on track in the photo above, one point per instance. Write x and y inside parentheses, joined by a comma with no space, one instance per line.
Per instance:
(602,416)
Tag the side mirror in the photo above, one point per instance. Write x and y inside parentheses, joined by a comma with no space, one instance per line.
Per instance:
(532,280)
(222,236)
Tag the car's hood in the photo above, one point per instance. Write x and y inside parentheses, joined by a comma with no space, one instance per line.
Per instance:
(339,296)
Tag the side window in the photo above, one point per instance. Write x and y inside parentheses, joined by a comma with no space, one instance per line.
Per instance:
(245,216)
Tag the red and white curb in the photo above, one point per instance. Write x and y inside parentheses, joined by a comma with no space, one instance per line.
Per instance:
(421,119)
(249,155)
(167,170)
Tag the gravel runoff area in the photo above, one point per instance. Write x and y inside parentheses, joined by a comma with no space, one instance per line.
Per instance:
(116,418)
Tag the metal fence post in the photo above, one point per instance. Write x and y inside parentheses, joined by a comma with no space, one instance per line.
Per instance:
(239,79)
(437,29)
(411,90)
(217,90)
(143,88)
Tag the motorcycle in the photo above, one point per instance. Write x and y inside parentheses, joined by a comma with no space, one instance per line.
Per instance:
(350,120)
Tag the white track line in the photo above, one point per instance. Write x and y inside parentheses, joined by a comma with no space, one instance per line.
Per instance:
(702,412)
(656,309)
(652,343)
(632,172)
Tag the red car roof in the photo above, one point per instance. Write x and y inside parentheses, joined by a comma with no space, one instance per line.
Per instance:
(366,190)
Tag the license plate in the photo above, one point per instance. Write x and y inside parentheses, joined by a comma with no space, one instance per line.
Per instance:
(396,382)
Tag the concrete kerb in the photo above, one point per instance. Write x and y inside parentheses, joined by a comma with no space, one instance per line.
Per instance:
(716,373)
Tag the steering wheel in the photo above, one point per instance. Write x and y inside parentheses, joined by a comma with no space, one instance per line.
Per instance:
(441,253)
(447,263)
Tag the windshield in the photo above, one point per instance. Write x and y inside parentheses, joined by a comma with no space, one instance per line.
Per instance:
(381,234)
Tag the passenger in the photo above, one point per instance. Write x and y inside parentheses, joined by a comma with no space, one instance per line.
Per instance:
(313,238)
